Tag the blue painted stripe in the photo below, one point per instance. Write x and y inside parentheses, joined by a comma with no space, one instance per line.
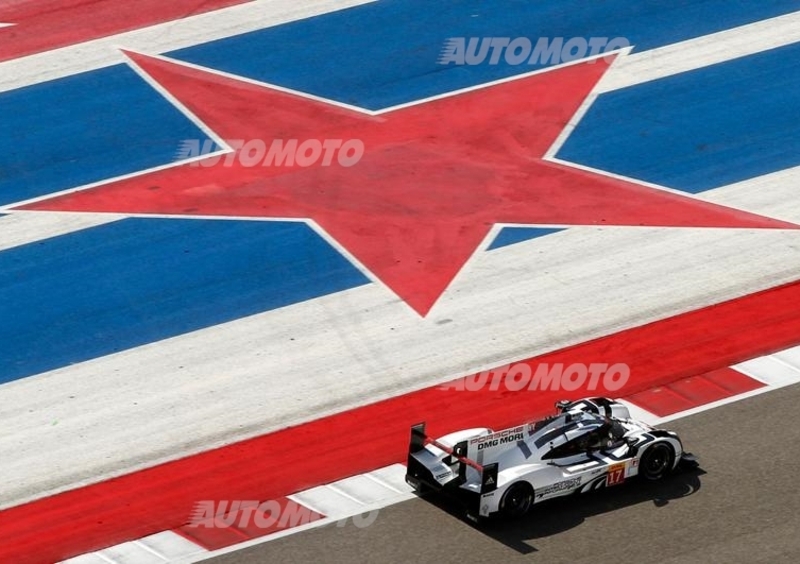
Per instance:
(85,128)
(382,54)
(698,130)
(101,290)
(513,235)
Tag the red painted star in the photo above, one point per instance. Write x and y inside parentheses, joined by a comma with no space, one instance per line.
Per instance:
(432,181)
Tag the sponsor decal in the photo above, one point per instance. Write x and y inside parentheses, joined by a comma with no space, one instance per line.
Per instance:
(560,486)
(499,438)
(616,474)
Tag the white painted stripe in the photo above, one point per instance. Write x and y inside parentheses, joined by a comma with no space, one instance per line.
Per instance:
(161,38)
(334,487)
(149,551)
(88,558)
(6,24)
(772,195)
(306,503)
(703,51)
(328,501)
(364,490)
(393,475)
(130,553)
(20,228)
(790,357)
(171,545)
(159,548)
(380,482)
(772,370)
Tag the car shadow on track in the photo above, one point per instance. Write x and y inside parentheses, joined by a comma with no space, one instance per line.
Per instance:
(571,511)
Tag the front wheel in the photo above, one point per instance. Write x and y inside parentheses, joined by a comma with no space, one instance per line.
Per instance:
(656,462)
(517,500)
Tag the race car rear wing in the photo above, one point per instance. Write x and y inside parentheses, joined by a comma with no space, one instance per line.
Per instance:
(488,472)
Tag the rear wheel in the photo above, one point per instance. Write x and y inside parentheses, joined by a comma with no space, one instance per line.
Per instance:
(656,462)
(517,500)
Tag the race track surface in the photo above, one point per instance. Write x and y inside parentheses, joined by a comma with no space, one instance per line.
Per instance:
(740,506)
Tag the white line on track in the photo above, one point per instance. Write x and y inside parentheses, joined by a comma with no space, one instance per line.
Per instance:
(704,51)
(167,36)
(21,228)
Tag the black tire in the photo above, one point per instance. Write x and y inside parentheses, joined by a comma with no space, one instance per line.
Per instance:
(656,462)
(517,500)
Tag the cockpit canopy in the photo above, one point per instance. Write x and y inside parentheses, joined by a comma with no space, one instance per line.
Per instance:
(575,433)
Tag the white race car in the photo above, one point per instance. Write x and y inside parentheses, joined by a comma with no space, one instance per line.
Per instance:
(588,444)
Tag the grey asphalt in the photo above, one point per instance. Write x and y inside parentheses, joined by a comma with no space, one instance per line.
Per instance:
(743,505)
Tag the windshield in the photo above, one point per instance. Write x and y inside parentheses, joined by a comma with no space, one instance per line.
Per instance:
(577,431)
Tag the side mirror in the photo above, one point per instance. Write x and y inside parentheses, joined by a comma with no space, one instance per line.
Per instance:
(631,441)
(561,405)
